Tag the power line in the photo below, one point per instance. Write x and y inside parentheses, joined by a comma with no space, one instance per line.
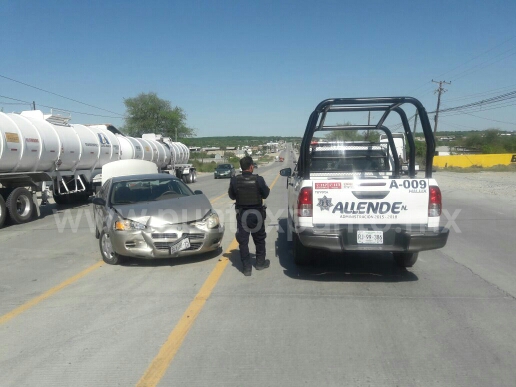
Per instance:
(56,108)
(59,95)
(478,56)
(488,101)
(488,92)
(464,63)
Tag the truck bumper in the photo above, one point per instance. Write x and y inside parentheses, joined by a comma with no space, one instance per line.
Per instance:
(395,238)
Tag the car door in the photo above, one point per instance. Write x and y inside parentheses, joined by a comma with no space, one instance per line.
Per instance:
(100,212)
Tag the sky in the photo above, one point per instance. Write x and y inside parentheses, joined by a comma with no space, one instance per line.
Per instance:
(258,67)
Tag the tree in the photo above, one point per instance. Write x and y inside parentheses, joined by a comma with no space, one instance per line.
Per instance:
(147,113)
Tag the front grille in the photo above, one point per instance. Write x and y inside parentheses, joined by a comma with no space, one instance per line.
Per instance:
(194,236)
(164,236)
(196,241)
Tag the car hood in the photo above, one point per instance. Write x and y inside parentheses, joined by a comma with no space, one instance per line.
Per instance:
(168,211)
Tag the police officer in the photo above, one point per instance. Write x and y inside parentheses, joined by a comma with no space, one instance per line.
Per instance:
(249,191)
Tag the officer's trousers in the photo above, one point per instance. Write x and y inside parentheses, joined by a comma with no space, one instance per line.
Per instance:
(251,221)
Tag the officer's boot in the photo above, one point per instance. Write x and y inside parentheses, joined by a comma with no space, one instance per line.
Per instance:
(262,263)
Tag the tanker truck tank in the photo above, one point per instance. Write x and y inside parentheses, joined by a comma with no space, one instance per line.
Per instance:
(178,158)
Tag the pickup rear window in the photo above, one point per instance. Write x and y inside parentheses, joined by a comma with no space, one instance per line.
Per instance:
(349,161)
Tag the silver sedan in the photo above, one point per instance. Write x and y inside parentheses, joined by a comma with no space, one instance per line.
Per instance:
(153,216)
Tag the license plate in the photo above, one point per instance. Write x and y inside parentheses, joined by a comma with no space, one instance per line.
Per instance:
(370,237)
(184,244)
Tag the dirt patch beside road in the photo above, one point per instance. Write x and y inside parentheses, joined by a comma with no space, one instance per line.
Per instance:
(502,184)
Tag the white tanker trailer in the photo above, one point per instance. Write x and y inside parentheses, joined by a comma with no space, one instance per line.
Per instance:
(38,149)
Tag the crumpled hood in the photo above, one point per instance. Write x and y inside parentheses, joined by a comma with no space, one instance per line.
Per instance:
(168,211)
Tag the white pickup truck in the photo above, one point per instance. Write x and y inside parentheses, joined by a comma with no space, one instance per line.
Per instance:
(353,196)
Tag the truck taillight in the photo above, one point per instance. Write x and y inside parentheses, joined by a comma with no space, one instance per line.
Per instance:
(435,201)
(304,202)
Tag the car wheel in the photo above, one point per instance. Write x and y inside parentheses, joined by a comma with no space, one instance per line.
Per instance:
(405,259)
(302,254)
(106,250)
(3,211)
(20,206)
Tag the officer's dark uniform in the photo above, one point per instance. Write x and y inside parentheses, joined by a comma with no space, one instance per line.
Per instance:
(249,190)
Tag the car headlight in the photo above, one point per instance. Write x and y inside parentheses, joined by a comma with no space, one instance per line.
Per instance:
(209,221)
(128,225)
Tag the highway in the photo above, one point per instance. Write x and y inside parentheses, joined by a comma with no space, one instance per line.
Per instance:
(68,319)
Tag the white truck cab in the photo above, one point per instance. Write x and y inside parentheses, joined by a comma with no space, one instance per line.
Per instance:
(352,196)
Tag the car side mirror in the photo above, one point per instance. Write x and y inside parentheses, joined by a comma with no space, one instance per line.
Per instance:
(286,172)
(99,201)
(197,192)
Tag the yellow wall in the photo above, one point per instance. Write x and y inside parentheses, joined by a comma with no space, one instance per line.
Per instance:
(465,161)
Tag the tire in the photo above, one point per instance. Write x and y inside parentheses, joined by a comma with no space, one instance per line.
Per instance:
(189,178)
(302,254)
(106,250)
(194,176)
(20,205)
(405,259)
(3,211)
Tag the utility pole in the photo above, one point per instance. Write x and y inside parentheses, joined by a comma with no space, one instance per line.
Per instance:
(415,121)
(33,105)
(440,90)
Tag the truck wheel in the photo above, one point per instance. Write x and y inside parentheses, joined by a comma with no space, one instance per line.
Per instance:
(3,211)
(20,206)
(302,254)
(405,259)
(106,250)
(194,176)
(189,178)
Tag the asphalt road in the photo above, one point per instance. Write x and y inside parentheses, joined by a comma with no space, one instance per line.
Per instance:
(68,320)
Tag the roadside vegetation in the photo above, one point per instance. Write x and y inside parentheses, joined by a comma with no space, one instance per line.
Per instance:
(490,141)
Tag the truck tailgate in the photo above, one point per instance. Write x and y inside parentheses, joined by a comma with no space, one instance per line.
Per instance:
(371,201)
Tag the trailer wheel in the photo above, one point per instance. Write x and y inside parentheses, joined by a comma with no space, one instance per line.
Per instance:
(190,178)
(106,250)
(20,206)
(405,259)
(3,211)
(302,254)
(194,176)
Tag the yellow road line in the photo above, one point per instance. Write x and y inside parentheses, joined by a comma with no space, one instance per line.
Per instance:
(168,351)
(29,304)
(161,362)
(218,197)
(275,180)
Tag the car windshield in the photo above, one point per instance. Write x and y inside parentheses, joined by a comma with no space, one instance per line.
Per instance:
(138,191)
(225,166)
